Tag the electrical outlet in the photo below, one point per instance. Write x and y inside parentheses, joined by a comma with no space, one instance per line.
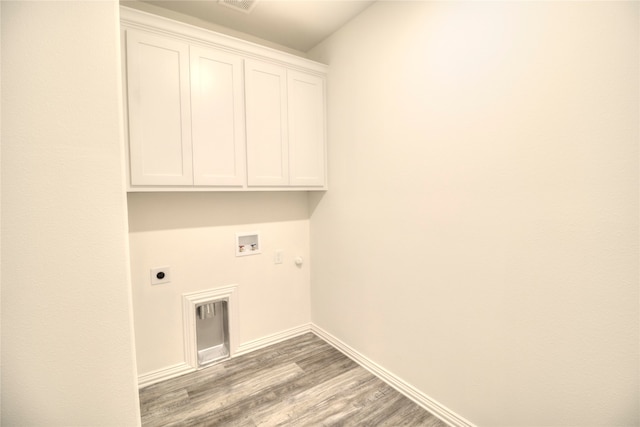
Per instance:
(160,275)
(277,259)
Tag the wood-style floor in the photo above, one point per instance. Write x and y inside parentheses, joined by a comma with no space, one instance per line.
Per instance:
(299,382)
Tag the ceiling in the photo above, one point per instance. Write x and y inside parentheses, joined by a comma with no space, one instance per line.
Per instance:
(296,24)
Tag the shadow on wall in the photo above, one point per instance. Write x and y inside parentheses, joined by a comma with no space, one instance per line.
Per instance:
(165,211)
(315,197)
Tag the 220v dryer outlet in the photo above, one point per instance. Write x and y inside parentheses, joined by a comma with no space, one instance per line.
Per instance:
(160,275)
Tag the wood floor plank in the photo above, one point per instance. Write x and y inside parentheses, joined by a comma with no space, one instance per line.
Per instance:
(303,381)
(312,401)
(267,401)
(232,402)
(204,401)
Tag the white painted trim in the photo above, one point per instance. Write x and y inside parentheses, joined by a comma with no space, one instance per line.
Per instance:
(132,18)
(189,302)
(149,378)
(141,189)
(254,345)
(431,405)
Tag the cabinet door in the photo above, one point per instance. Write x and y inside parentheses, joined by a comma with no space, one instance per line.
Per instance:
(159,110)
(266,109)
(306,129)
(217,117)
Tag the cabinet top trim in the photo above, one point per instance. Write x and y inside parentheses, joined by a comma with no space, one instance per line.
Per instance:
(132,18)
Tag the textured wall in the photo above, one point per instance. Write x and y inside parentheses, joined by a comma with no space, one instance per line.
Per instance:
(480,238)
(67,333)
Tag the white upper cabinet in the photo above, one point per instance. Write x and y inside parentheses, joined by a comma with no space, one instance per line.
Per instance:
(285,126)
(208,112)
(307,144)
(217,118)
(267,143)
(159,105)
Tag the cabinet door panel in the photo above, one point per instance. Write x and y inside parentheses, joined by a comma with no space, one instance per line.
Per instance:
(306,129)
(266,109)
(158,101)
(217,117)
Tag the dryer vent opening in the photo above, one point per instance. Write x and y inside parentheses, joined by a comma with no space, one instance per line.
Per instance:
(212,331)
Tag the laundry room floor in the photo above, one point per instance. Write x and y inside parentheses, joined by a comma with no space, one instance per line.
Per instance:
(302,381)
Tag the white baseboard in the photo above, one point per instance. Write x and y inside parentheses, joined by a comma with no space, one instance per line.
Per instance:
(149,378)
(169,372)
(431,405)
(254,345)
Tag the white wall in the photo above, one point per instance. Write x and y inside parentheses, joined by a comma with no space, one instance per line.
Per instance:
(194,234)
(480,238)
(67,335)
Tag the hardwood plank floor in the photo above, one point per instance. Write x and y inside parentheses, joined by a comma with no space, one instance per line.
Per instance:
(303,381)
